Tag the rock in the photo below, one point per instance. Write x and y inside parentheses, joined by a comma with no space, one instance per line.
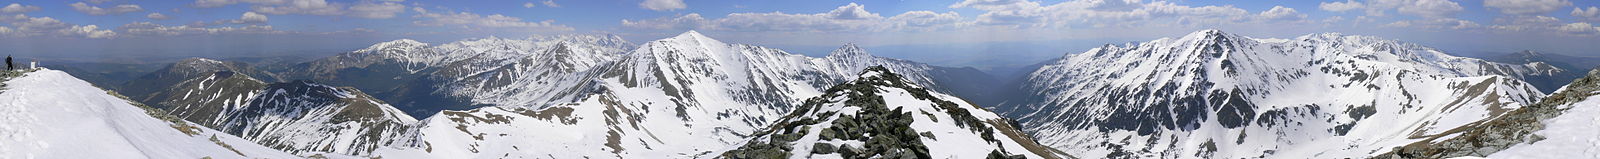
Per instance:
(822,148)
(847,151)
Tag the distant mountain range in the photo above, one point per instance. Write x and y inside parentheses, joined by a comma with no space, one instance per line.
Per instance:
(1549,84)
(1208,94)
(1212,94)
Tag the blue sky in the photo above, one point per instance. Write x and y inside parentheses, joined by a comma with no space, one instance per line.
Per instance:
(981,33)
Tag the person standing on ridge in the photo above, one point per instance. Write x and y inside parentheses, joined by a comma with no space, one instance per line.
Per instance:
(8,63)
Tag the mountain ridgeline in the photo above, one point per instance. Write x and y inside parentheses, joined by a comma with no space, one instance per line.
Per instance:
(1208,94)
(691,88)
(881,115)
(1212,94)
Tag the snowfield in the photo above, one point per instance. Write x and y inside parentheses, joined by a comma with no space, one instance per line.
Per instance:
(882,115)
(50,114)
(1574,134)
(1212,94)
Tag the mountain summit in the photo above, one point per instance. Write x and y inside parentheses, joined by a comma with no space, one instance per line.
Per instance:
(881,115)
(1232,96)
(686,96)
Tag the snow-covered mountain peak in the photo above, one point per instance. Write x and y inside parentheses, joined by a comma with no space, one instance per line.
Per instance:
(608,40)
(1207,33)
(849,50)
(1219,86)
(881,115)
(692,37)
(50,114)
(1213,36)
(307,117)
(401,43)
(199,61)
(198,66)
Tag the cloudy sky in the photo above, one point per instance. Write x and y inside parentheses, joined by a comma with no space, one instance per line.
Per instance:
(983,33)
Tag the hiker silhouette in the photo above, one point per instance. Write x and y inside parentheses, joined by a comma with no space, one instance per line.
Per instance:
(8,63)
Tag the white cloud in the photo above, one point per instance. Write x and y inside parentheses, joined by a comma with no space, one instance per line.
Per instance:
(1580,29)
(475,21)
(1347,5)
(1544,25)
(362,9)
(310,7)
(89,31)
(663,5)
(850,17)
(1442,23)
(1280,13)
(99,1)
(852,11)
(220,3)
(251,18)
(1107,14)
(682,22)
(93,10)
(1118,13)
(1526,7)
(24,26)
(1591,14)
(1333,20)
(18,8)
(157,16)
(551,4)
(1431,8)
(995,5)
(152,29)
(547,3)
(924,20)
(1525,23)
(383,10)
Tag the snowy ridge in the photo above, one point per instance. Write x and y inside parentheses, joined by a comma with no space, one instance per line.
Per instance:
(298,117)
(50,114)
(1572,133)
(1211,94)
(1559,126)
(206,100)
(882,115)
(306,117)
(422,78)
(536,80)
(144,88)
(687,96)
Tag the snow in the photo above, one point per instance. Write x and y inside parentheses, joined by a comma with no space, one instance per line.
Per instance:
(50,114)
(1574,134)
(1315,84)
(950,141)
(724,91)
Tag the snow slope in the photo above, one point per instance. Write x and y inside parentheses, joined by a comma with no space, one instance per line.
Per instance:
(50,114)
(1561,125)
(206,100)
(687,96)
(1571,135)
(882,115)
(422,79)
(1574,133)
(305,117)
(1212,94)
(300,117)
